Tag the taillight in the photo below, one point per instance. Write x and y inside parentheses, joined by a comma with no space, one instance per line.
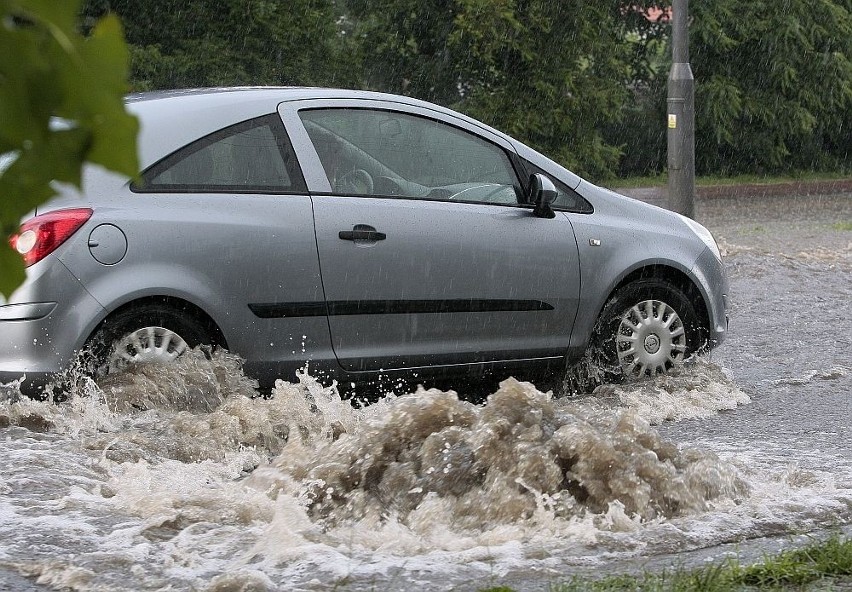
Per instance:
(41,235)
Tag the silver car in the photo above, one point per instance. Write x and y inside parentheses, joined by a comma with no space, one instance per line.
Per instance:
(371,235)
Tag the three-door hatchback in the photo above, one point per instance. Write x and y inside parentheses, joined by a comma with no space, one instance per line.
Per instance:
(368,234)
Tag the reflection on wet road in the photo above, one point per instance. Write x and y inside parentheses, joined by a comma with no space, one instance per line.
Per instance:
(120,489)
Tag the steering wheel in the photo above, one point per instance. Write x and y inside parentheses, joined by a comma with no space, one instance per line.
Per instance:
(356,181)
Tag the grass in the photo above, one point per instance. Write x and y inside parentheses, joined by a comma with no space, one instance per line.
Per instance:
(845,225)
(820,566)
(662,179)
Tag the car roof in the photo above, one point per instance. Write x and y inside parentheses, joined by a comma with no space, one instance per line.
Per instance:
(170,119)
(281,93)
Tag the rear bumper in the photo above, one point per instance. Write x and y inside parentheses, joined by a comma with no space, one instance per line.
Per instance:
(43,325)
(27,353)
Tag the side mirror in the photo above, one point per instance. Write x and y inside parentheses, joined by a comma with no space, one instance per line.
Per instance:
(542,194)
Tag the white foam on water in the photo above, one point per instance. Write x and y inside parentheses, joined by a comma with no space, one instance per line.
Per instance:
(832,373)
(700,390)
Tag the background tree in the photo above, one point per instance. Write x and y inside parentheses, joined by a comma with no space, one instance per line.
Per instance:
(773,91)
(640,129)
(50,71)
(583,81)
(192,43)
(774,88)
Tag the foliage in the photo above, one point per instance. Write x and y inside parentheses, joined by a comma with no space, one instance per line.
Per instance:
(639,132)
(190,43)
(773,91)
(558,103)
(50,71)
(583,81)
(774,84)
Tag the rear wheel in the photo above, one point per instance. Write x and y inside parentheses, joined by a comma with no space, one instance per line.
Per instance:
(149,344)
(149,333)
(647,328)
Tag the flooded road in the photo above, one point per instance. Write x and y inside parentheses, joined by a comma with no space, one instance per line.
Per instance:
(122,489)
(790,343)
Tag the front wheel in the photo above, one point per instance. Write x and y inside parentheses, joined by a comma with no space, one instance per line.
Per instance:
(647,328)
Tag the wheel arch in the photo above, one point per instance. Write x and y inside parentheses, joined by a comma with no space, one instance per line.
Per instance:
(678,279)
(175,303)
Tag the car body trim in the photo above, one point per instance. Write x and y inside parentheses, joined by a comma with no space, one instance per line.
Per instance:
(30,311)
(359,307)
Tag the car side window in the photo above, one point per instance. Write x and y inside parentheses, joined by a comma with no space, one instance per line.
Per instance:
(566,198)
(383,153)
(252,156)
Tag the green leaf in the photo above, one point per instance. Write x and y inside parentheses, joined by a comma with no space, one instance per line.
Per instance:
(12,266)
(50,71)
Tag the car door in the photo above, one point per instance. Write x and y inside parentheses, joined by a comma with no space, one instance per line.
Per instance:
(426,255)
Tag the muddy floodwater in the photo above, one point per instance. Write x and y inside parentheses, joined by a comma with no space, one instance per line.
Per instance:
(179,478)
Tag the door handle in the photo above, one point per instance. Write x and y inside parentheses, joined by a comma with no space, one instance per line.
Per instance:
(362,232)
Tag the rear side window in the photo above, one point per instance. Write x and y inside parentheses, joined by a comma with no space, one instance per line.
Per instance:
(254,156)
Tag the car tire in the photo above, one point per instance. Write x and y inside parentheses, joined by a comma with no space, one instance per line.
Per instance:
(148,333)
(646,328)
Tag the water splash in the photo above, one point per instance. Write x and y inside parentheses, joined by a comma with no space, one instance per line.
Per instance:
(699,389)
(403,454)
(533,454)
